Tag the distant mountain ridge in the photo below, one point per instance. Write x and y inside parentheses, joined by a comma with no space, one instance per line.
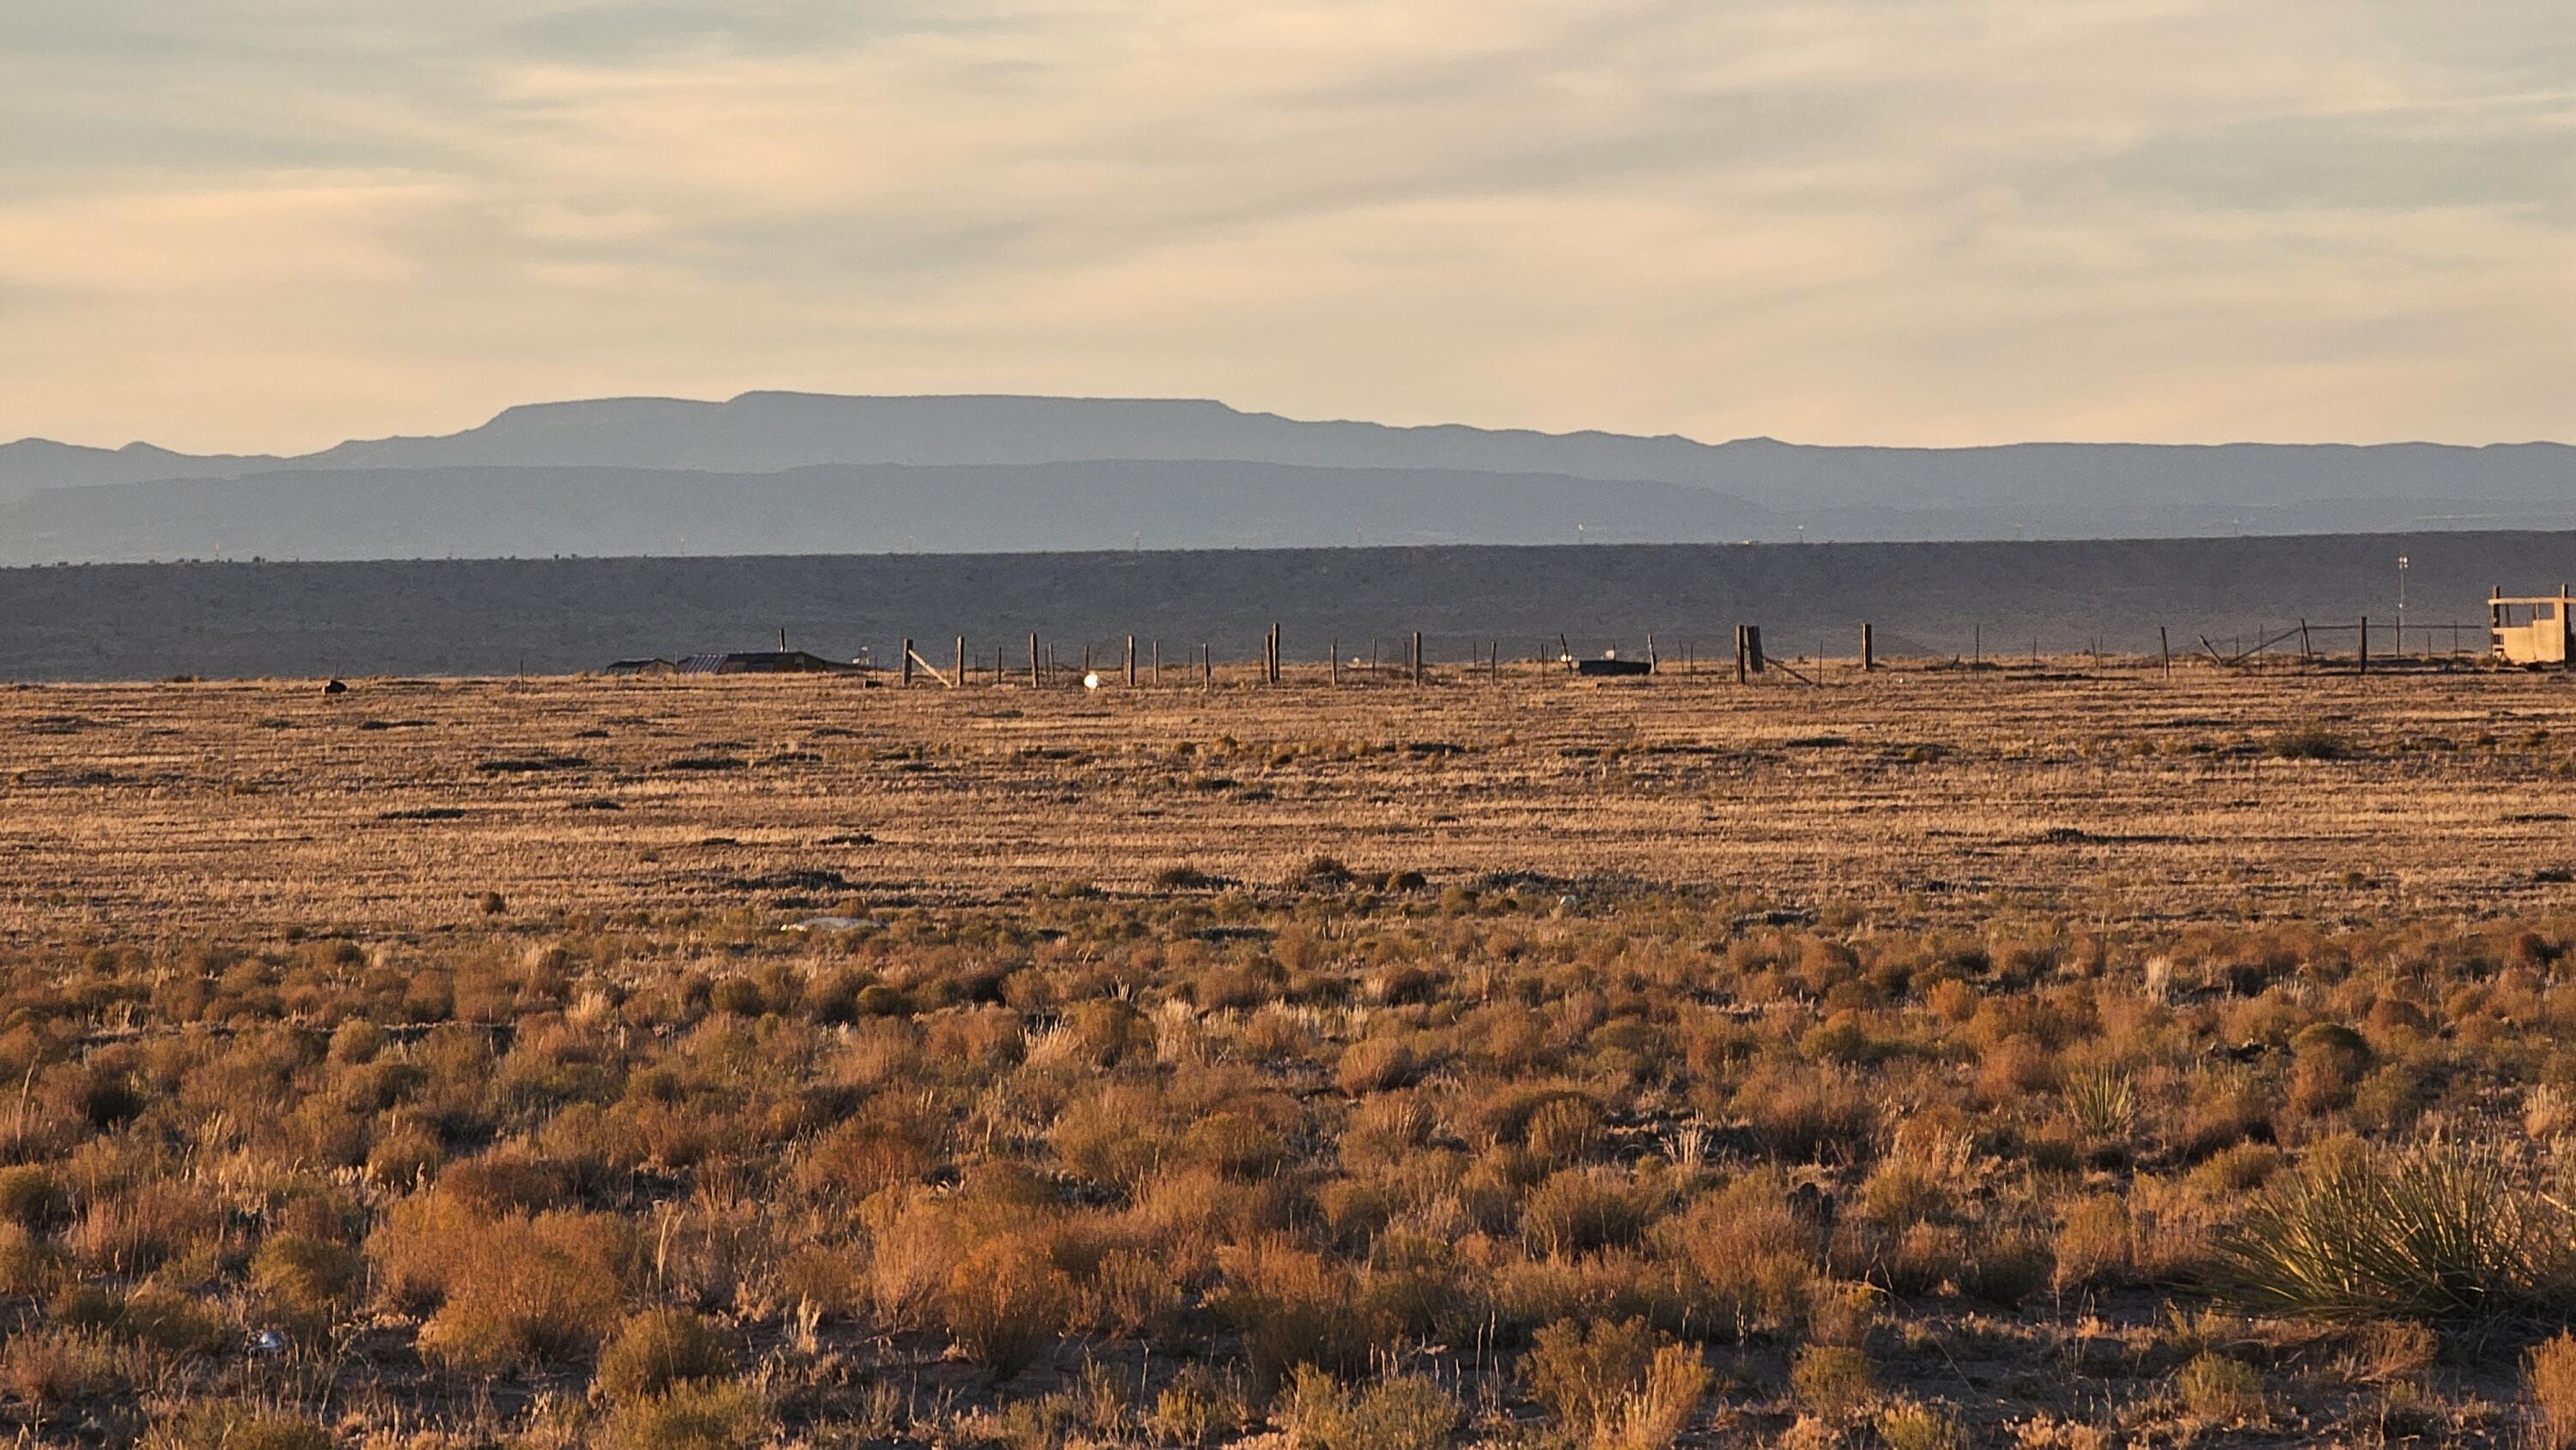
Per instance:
(492,512)
(602,476)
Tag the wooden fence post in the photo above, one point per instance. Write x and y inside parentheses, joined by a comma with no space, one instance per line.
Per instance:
(1868,655)
(1417,656)
(2164,646)
(907,662)
(1033,662)
(1207,669)
(2362,655)
(1337,661)
(1131,662)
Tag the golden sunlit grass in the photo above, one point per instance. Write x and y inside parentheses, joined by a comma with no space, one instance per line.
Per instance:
(1943,1058)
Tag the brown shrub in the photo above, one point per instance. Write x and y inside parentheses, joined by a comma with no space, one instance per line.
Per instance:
(1565,1130)
(825,1278)
(696,1416)
(1391,1412)
(1198,1405)
(2014,1068)
(139,1228)
(912,1250)
(856,1159)
(405,1156)
(53,1366)
(1293,1307)
(150,1316)
(2223,1110)
(1386,1131)
(236,1427)
(2005,1266)
(1810,1116)
(505,1181)
(306,1273)
(1952,1000)
(1237,1145)
(1836,1381)
(1577,1210)
(33,1196)
(28,1264)
(1374,1065)
(1751,1256)
(1581,1372)
(1115,1137)
(521,1291)
(2220,1390)
(1655,1414)
(1006,1299)
(2095,1242)
(657,1349)
(2549,1377)
(414,1249)
(1132,1293)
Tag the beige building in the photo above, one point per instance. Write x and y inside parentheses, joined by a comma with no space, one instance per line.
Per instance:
(2530,630)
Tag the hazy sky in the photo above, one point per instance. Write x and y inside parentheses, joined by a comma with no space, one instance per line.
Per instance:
(272,224)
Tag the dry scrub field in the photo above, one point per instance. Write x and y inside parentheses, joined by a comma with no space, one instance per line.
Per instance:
(2038,1056)
(236,812)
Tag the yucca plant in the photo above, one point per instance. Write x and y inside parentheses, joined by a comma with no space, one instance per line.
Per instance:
(2440,1231)
(2103,1101)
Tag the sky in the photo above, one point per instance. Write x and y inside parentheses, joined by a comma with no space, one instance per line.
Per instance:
(267,225)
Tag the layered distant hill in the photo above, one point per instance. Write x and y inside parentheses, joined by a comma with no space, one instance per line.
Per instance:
(777,473)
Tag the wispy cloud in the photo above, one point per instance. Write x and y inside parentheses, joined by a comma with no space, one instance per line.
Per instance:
(256,223)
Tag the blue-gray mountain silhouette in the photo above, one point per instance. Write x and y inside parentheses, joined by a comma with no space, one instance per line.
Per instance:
(773,472)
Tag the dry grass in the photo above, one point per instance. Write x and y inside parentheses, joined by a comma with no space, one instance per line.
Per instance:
(2549,1372)
(166,809)
(1933,1058)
